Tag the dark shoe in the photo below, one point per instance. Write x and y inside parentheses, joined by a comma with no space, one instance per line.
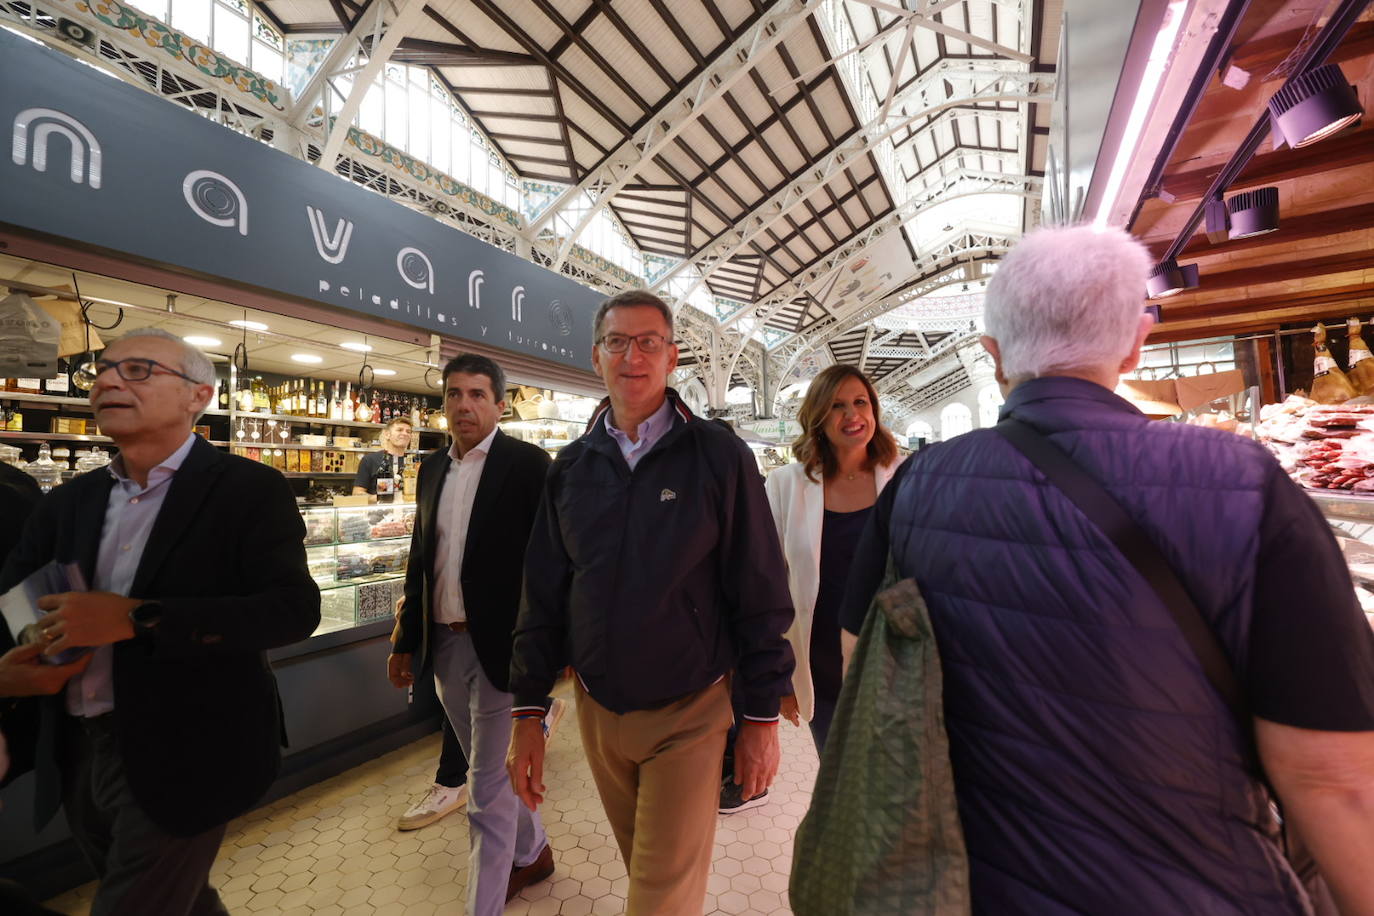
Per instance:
(536,871)
(732,798)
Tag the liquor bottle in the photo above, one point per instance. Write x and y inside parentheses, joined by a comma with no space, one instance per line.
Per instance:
(415,413)
(59,385)
(1359,365)
(292,407)
(350,403)
(363,412)
(260,401)
(376,408)
(321,410)
(1329,384)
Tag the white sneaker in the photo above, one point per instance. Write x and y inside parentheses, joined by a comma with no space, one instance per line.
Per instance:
(555,715)
(438,802)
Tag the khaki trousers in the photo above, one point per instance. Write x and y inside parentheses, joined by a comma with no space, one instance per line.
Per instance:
(658,774)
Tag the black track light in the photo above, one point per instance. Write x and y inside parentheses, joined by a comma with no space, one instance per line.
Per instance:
(1313,105)
(1218,221)
(1168,279)
(1254,212)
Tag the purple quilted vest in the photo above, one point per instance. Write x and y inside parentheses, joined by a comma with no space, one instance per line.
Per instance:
(1097,771)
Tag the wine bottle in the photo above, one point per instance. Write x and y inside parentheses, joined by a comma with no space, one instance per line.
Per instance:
(1329,384)
(321,407)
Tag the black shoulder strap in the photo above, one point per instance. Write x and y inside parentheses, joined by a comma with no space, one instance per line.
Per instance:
(1102,509)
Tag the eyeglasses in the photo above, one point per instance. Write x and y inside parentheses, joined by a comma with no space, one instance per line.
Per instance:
(619,343)
(133,369)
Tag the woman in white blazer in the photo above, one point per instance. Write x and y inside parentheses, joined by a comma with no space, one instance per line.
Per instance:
(820,504)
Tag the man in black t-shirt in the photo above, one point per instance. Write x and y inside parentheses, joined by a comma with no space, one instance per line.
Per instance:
(388,461)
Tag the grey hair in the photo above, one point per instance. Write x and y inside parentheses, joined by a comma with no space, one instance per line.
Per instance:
(1066,298)
(193,362)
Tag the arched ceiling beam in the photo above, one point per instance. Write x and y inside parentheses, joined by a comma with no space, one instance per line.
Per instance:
(621,164)
(750,226)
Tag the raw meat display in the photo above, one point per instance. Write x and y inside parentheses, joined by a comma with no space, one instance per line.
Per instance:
(1324,447)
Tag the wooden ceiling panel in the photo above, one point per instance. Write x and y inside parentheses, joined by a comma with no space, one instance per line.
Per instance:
(757,172)
(751,102)
(519,126)
(534,79)
(620,52)
(1320,261)
(830,100)
(697,137)
(515,106)
(594,79)
(476,24)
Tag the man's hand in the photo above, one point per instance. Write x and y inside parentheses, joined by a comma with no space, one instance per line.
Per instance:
(85,619)
(525,761)
(789,710)
(23,675)
(756,757)
(398,669)
(400,606)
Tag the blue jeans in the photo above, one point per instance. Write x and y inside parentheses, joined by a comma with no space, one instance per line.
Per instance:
(504,833)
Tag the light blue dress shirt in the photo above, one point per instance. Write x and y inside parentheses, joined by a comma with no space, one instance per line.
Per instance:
(649,432)
(129,518)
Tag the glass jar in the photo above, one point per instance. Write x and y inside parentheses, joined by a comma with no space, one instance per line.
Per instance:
(44,470)
(9,454)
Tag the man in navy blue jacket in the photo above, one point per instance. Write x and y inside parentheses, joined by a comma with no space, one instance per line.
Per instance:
(654,570)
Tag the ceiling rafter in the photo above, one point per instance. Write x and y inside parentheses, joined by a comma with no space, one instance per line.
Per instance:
(670,119)
(746,228)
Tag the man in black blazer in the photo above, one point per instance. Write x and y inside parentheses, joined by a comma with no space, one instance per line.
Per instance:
(477,501)
(196,566)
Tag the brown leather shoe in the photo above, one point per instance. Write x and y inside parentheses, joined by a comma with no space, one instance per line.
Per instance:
(536,871)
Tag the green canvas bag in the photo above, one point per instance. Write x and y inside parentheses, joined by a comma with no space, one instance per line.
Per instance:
(882,836)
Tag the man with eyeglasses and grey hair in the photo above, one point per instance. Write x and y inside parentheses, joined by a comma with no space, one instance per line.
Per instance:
(1098,763)
(654,571)
(196,566)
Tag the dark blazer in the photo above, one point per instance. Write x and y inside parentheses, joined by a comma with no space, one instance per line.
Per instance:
(196,709)
(503,508)
(19,493)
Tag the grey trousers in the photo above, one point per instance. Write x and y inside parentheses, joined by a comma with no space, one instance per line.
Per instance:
(504,833)
(142,869)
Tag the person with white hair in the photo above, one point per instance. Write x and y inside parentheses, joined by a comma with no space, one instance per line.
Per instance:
(195,562)
(1097,768)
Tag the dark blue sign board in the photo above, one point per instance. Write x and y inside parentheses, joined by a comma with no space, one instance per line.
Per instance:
(100,162)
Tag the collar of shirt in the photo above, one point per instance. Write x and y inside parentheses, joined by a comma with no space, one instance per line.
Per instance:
(480,448)
(650,431)
(161,472)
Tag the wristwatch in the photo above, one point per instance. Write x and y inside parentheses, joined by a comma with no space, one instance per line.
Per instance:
(146,615)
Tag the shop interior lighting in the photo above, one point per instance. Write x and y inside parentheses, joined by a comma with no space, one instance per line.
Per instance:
(1218,221)
(1312,106)
(356,347)
(307,358)
(198,341)
(1150,79)
(1254,212)
(248,325)
(1168,279)
(383,371)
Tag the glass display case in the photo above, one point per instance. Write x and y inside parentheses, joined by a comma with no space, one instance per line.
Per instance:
(357,555)
(549,433)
